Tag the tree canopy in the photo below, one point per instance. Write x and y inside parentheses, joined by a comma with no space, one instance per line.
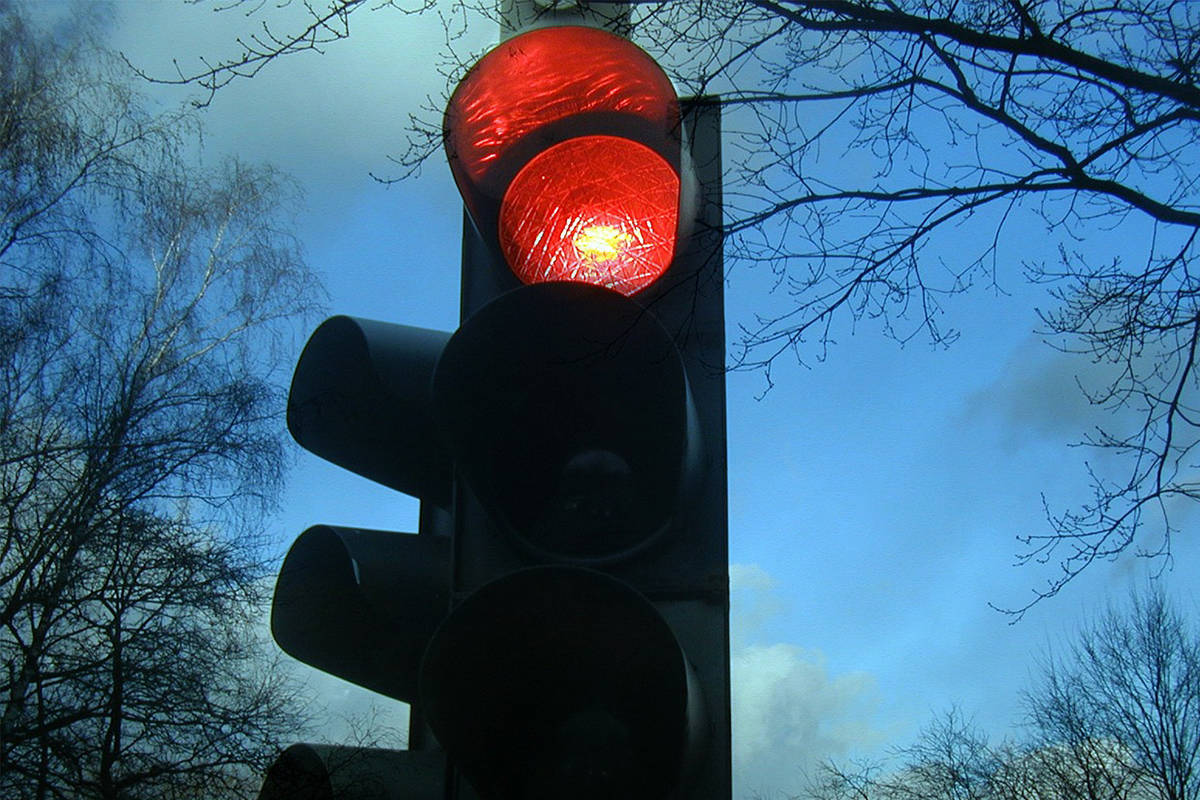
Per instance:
(1114,714)
(144,302)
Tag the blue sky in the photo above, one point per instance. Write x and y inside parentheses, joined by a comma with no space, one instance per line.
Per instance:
(874,498)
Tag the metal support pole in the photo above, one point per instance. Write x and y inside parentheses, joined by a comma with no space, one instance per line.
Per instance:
(517,15)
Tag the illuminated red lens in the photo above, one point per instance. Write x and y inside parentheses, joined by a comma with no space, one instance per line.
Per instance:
(546,75)
(596,209)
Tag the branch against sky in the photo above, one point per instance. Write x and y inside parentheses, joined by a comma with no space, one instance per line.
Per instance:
(894,146)
(1113,714)
(885,155)
(1121,705)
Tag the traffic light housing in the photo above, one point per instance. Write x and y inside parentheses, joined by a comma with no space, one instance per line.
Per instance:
(558,682)
(585,419)
(363,604)
(575,428)
(560,621)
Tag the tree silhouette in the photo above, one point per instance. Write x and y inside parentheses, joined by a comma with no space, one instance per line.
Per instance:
(1125,700)
(1113,715)
(143,302)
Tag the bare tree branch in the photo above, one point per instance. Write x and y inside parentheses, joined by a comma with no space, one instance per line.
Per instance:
(879,152)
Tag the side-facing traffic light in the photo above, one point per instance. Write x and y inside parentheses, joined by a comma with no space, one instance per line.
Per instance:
(362,604)
(359,604)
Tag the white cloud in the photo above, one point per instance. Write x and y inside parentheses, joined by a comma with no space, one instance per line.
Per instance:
(789,712)
(753,599)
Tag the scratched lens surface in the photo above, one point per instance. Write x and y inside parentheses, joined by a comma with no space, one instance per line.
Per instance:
(596,209)
(546,75)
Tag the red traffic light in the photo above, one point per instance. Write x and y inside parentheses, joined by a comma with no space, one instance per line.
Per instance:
(564,142)
(597,209)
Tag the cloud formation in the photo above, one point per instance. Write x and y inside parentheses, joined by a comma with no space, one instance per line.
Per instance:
(789,712)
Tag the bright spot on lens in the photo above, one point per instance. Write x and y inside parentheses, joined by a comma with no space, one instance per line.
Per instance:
(602,210)
(601,243)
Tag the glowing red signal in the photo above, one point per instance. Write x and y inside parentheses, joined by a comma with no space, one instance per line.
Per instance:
(564,142)
(597,209)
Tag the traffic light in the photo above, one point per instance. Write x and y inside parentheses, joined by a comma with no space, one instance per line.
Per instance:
(560,621)
(582,403)
(565,144)
(362,604)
